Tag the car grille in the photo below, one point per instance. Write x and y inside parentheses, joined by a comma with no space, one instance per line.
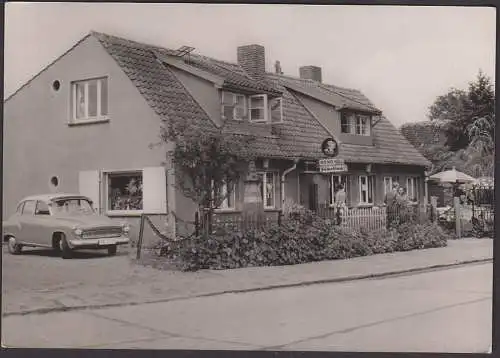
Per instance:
(102,232)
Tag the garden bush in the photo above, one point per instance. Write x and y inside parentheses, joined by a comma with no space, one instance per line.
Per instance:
(304,238)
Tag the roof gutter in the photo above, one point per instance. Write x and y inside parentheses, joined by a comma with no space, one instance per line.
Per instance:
(283,176)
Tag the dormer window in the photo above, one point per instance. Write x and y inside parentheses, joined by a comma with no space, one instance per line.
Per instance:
(355,123)
(258,108)
(233,105)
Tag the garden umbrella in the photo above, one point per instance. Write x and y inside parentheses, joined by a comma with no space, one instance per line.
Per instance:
(452,176)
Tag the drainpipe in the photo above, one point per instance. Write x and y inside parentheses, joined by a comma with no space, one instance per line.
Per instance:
(292,168)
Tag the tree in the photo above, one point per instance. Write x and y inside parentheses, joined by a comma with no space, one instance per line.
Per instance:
(459,109)
(206,160)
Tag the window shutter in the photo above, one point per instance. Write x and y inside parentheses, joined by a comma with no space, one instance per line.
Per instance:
(154,191)
(89,185)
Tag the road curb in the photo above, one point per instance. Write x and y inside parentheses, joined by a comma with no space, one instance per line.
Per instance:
(246,290)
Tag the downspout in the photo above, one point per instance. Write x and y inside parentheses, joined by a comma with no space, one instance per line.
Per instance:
(283,176)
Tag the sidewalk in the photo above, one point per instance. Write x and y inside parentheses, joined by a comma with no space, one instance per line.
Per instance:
(147,285)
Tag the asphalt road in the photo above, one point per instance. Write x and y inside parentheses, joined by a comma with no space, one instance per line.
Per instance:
(439,311)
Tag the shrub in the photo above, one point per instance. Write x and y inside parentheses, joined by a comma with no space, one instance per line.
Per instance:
(420,236)
(304,238)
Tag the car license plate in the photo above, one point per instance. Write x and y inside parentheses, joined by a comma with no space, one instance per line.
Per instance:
(106,242)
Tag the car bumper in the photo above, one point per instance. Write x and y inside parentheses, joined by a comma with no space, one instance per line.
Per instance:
(98,243)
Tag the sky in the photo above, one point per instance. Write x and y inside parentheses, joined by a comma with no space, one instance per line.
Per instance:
(400,57)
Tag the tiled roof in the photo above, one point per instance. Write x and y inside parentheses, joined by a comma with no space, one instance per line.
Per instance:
(422,134)
(300,136)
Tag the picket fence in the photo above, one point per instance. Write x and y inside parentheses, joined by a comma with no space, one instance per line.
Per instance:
(373,218)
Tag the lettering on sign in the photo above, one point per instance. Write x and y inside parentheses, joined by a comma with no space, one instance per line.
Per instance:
(332,165)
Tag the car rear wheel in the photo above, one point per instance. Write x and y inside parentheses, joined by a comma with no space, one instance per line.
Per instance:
(112,250)
(13,246)
(66,252)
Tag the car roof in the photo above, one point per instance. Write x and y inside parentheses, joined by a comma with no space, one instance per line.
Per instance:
(54,196)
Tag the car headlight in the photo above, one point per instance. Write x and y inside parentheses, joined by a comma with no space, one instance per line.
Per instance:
(77,231)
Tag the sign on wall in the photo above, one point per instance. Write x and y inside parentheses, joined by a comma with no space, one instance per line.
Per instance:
(330,147)
(332,165)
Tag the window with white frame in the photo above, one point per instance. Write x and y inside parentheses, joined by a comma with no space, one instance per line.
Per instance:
(233,105)
(345,124)
(258,108)
(388,182)
(276,110)
(412,186)
(358,124)
(89,100)
(362,124)
(268,189)
(228,198)
(335,182)
(124,191)
(366,192)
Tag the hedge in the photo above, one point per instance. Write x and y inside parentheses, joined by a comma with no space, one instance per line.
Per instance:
(305,239)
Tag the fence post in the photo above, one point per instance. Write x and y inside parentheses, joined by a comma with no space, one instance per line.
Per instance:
(458,216)
(141,234)
(197,223)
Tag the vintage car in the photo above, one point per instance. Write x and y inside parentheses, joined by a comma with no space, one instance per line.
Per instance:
(63,222)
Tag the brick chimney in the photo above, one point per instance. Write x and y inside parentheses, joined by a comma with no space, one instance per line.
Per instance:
(252,59)
(310,73)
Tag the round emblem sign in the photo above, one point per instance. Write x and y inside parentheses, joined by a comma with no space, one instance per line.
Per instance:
(330,147)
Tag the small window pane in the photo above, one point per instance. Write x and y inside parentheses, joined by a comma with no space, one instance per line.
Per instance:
(104,97)
(79,100)
(345,124)
(276,110)
(227,98)
(258,114)
(125,191)
(92,98)
(269,200)
(228,112)
(257,102)
(29,208)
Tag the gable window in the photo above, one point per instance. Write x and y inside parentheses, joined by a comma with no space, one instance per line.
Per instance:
(276,110)
(358,124)
(233,105)
(89,100)
(335,182)
(258,108)
(124,191)
(412,186)
(388,182)
(268,189)
(366,185)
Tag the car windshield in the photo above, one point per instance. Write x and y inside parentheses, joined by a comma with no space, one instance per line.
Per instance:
(72,207)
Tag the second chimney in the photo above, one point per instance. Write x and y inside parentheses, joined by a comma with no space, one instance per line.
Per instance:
(252,59)
(310,73)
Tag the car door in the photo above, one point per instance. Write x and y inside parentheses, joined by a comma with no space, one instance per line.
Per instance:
(25,221)
(13,225)
(38,226)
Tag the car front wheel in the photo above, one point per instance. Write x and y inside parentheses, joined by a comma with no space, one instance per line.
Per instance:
(66,252)
(14,247)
